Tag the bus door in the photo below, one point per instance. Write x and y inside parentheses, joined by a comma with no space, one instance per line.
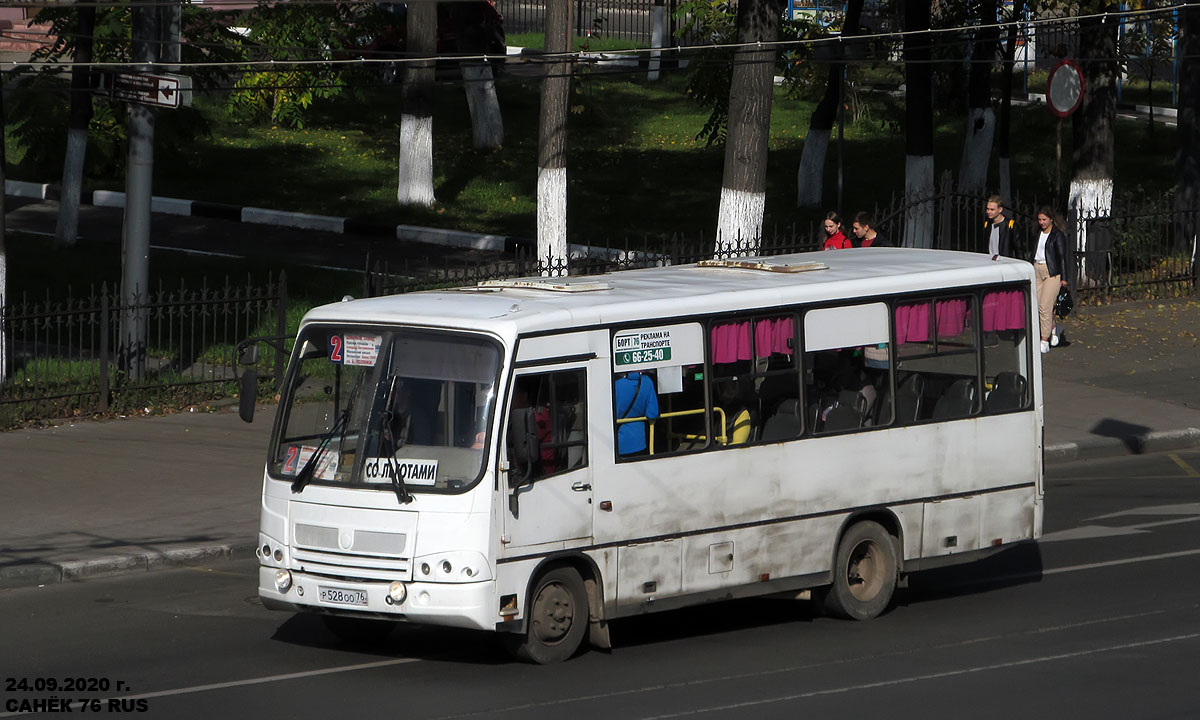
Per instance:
(549,478)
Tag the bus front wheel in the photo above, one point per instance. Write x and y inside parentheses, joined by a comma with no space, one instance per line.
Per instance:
(557,620)
(864,573)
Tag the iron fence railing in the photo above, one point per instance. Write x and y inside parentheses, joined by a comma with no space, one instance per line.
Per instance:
(65,357)
(627,19)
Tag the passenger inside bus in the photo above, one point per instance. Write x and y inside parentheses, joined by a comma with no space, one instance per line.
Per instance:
(739,410)
(635,397)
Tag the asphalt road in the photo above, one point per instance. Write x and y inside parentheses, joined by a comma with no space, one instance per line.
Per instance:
(1102,619)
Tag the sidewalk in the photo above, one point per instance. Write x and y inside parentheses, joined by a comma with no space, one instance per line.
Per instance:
(106,497)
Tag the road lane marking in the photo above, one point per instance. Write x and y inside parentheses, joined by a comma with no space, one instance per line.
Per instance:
(1191,471)
(935,676)
(1123,561)
(251,681)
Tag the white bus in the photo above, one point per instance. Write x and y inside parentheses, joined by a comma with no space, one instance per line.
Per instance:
(538,457)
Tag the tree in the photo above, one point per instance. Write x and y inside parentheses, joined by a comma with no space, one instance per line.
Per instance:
(744,184)
(552,137)
(472,35)
(1004,123)
(283,32)
(810,176)
(918,126)
(1092,160)
(1187,156)
(3,230)
(416,118)
(77,132)
(981,119)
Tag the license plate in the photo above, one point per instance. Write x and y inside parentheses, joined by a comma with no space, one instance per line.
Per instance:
(342,596)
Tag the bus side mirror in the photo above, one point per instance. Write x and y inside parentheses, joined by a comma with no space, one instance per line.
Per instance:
(248,354)
(247,393)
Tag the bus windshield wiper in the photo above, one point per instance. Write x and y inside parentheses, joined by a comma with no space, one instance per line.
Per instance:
(340,426)
(306,473)
(402,493)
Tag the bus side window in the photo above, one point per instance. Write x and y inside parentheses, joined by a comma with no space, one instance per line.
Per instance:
(547,431)
(755,375)
(938,357)
(1005,351)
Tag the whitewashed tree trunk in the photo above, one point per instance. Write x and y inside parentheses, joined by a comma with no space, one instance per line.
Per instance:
(487,123)
(552,215)
(810,177)
(1089,198)
(415,185)
(918,130)
(1093,141)
(977,150)
(918,191)
(744,180)
(739,220)
(552,142)
(416,161)
(657,32)
(67,226)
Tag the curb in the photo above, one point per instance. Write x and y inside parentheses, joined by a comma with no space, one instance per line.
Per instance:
(308,221)
(33,574)
(266,216)
(1105,447)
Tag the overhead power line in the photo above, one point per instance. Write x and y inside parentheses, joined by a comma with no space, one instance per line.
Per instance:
(578,56)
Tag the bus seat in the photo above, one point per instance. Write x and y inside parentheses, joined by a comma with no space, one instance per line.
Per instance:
(1008,393)
(847,413)
(957,401)
(784,423)
(908,399)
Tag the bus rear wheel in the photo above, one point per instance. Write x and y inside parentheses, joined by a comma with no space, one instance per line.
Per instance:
(557,621)
(864,573)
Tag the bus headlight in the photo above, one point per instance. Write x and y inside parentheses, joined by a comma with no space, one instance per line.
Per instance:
(397,593)
(283,580)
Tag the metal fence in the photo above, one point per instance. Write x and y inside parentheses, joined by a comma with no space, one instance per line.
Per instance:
(627,19)
(63,356)
(1139,249)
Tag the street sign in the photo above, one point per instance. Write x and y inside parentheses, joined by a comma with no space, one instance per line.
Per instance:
(1064,88)
(167,91)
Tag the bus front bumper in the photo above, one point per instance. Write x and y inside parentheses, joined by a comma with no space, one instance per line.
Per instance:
(465,605)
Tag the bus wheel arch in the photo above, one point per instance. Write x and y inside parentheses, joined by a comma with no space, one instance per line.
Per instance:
(866,567)
(563,605)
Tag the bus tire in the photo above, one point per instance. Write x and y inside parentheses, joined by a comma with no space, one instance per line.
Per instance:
(557,620)
(864,573)
(358,631)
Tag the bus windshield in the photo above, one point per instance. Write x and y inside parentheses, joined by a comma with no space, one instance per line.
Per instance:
(386,409)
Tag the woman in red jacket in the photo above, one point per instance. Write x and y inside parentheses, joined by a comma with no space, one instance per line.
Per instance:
(834,239)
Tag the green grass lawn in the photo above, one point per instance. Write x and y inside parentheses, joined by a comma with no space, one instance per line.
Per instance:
(635,168)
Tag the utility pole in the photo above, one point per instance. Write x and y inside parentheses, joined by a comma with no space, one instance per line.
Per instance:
(139,182)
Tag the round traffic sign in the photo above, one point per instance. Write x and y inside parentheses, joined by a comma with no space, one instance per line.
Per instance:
(1064,88)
